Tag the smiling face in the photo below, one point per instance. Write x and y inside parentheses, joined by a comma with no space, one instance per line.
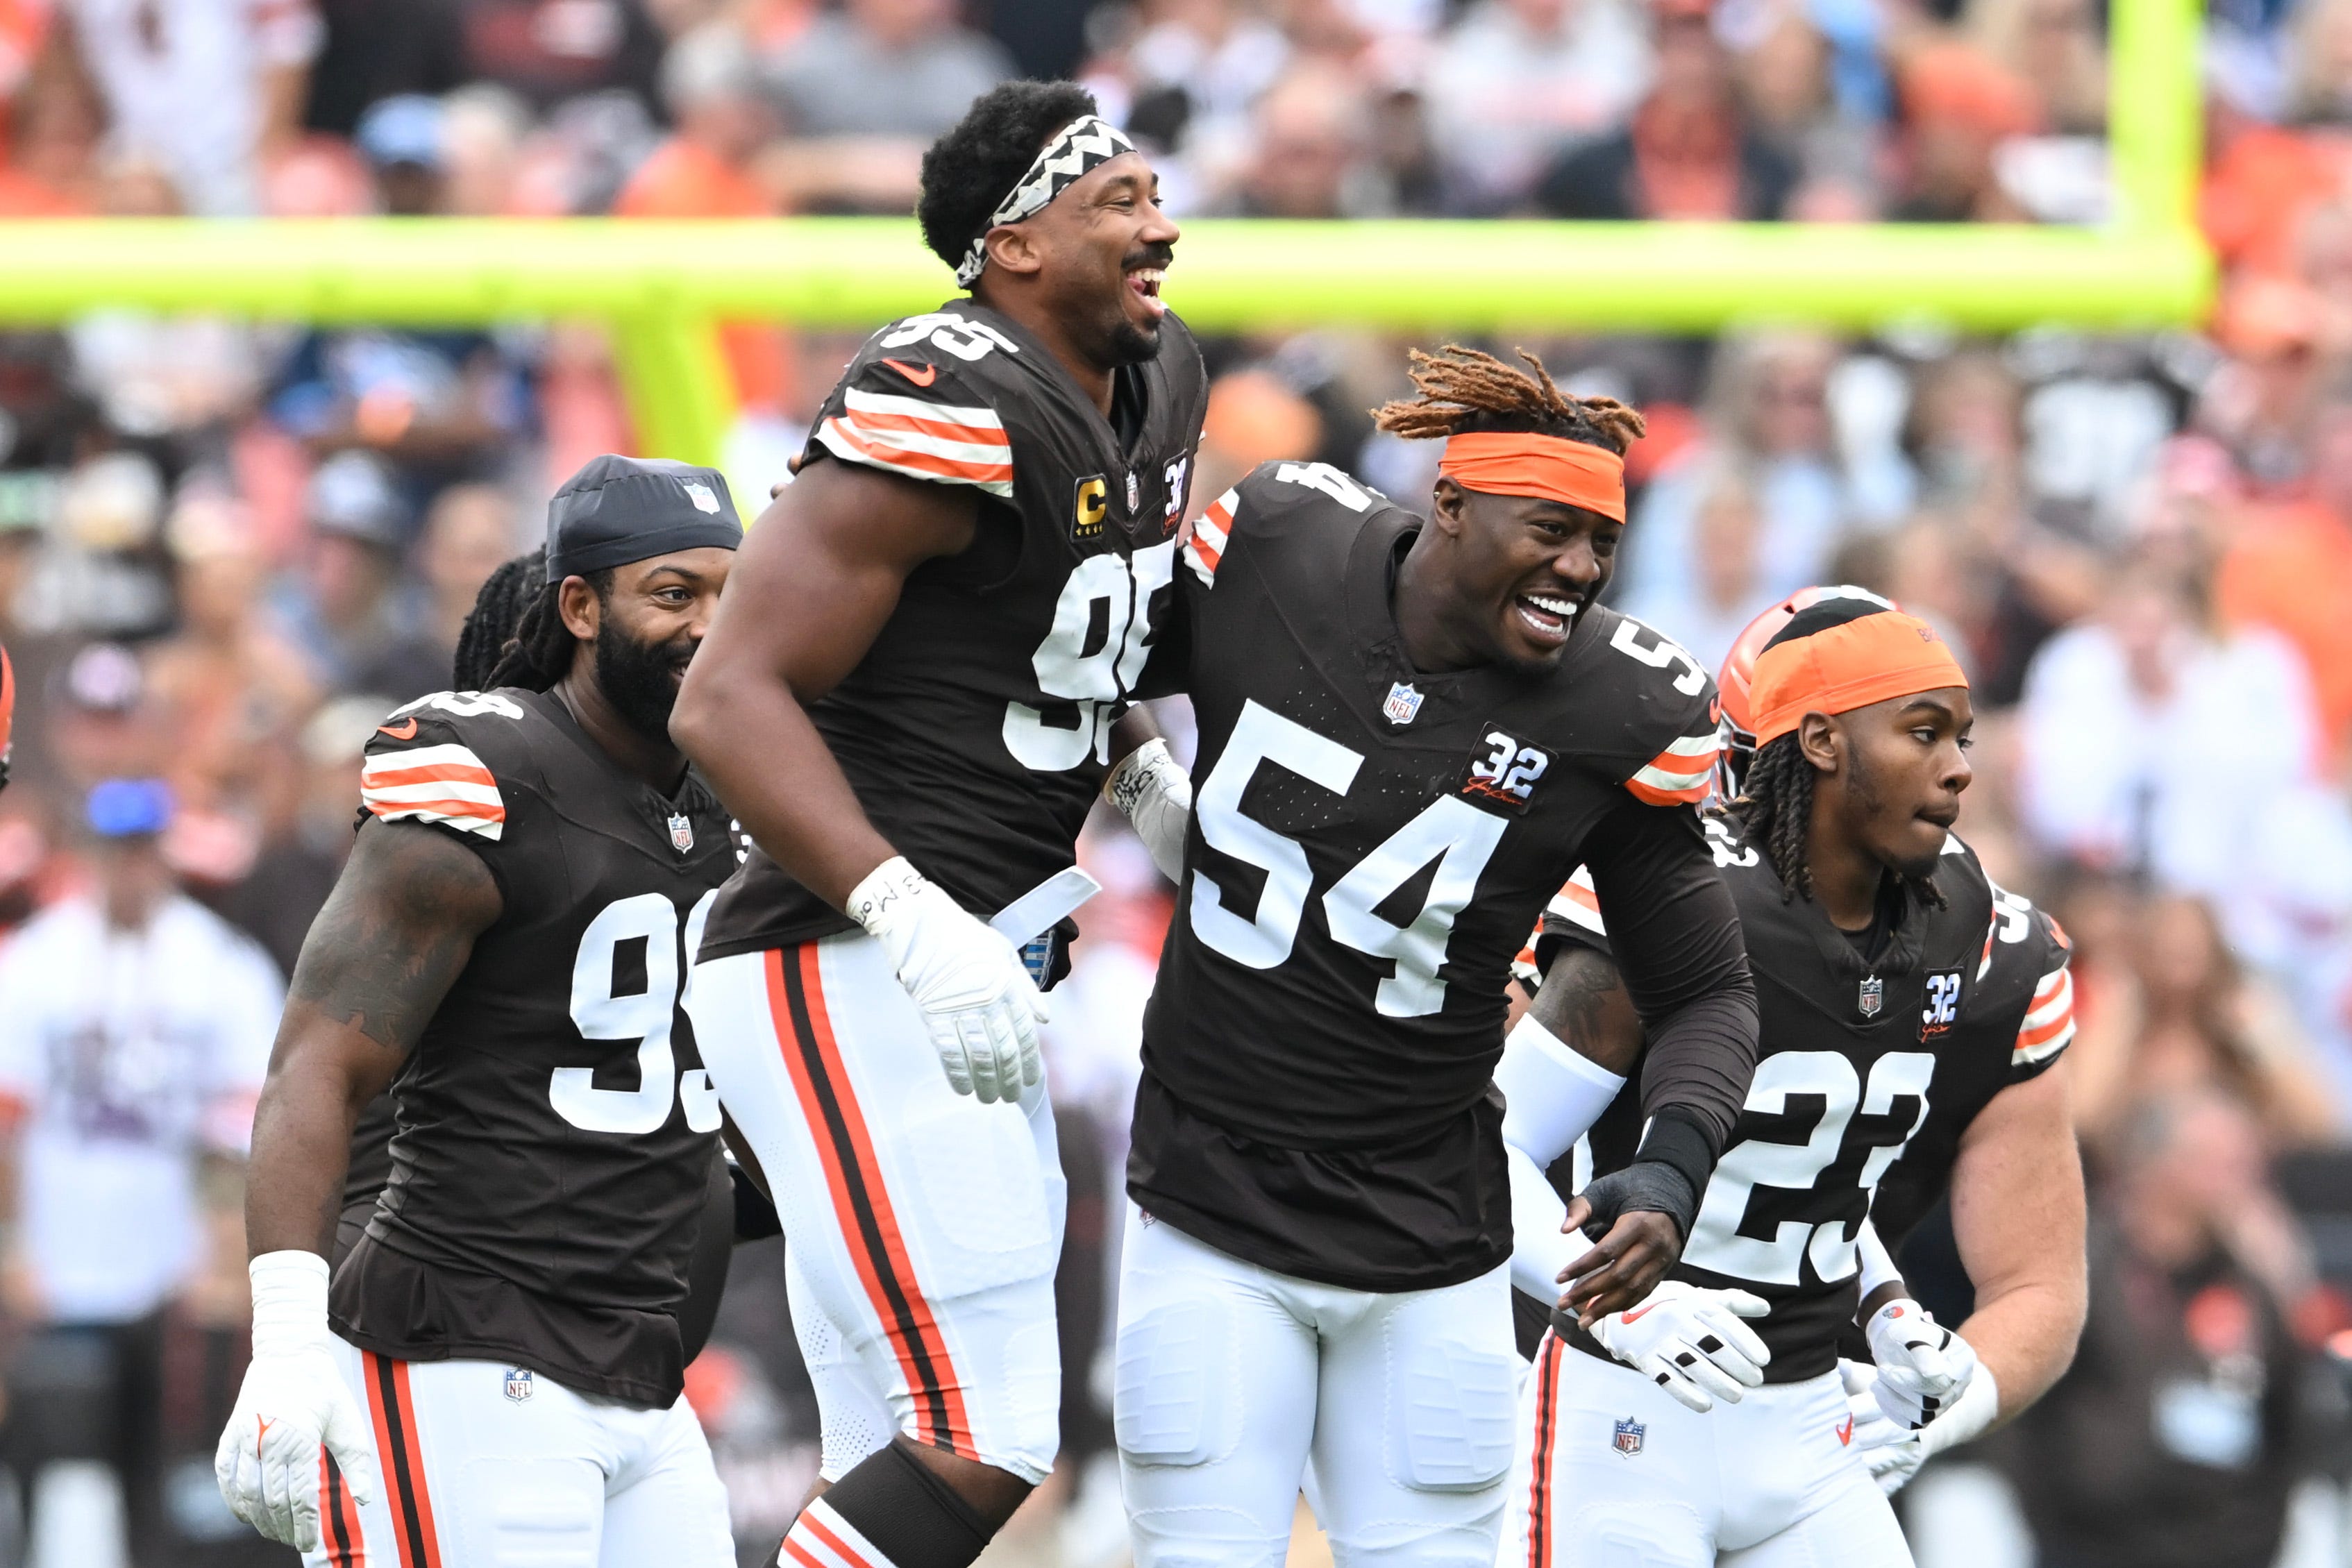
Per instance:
(1096,255)
(644,628)
(1520,571)
(1896,774)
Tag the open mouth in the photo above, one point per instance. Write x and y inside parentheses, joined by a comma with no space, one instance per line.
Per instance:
(1546,616)
(1144,283)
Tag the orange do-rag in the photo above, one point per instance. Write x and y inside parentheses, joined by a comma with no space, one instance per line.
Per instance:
(1840,668)
(1515,464)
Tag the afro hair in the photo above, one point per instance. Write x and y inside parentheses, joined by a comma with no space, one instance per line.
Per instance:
(973,168)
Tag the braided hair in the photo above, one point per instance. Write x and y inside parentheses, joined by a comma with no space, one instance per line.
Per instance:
(516,635)
(1462,390)
(499,608)
(1775,811)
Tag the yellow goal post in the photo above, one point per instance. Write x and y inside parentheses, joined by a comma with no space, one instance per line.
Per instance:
(659,286)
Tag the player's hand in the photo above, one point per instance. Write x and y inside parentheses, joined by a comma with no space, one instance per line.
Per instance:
(1691,1342)
(1923,1366)
(293,1401)
(1892,1453)
(1155,794)
(976,997)
(1623,1268)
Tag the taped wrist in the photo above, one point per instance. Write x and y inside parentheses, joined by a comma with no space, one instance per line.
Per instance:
(1155,796)
(1675,1137)
(890,1511)
(290,1301)
(1646,1187)
(886,895)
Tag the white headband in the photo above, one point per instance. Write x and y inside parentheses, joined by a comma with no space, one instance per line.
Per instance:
(1084,145)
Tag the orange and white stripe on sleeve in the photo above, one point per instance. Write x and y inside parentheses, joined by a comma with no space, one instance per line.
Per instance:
(1204,541)
(445,784)
(1578,904)
(2049,1022)
(1678,776)
(940,442)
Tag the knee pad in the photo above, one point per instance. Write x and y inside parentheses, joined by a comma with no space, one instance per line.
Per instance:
(1453,1416)
(1174,1403)
(987,1220)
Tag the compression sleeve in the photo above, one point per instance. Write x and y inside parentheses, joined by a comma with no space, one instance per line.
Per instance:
(1674,934)
(1550,1096)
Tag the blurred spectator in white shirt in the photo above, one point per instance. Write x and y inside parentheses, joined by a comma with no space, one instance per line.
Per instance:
(208,89)
(2154,740)
(1516,80)
(1725,588)
(135,1028)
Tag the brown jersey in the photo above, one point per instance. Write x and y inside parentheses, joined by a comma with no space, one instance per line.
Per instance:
(976,729)
(553,1132)
(1368,846)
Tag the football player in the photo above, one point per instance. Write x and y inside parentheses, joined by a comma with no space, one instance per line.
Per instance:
(1408,730)
(909,702)
(496,1371)
(1912,1013)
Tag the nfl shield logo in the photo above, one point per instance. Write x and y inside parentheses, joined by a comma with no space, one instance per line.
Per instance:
(681,833)
(518,1384)
(1630,1434)
(1134,492)
(1871,998)
(1403,703)
(705,499)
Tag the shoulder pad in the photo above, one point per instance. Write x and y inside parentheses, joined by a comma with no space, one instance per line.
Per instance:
(439,759)
(917,402)
(1273,497)
(2025,959)
(1664,734)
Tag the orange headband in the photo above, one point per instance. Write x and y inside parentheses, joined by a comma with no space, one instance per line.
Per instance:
(1839,668)
(1522,463)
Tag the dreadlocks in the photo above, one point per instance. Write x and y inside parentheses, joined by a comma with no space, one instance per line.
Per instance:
(1775,810)
(516,635)
(1462,391)
(498,609)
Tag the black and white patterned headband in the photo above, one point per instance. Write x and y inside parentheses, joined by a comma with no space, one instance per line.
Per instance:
(1083,146)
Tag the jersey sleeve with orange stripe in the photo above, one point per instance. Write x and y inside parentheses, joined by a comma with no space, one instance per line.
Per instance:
(457,761)
(912,405)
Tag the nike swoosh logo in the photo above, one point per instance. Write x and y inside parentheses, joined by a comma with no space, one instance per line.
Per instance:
(921,375)
(1846,1433)
(404,730)
(1636,1314)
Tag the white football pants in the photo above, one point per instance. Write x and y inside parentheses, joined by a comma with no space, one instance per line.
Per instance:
(922,1227)
(483,1465)
(1618,1475)
(1234,1380)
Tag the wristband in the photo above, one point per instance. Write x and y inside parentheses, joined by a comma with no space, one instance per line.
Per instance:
(290,1301)
(1878,1265)
(1676,1137)
(885,893)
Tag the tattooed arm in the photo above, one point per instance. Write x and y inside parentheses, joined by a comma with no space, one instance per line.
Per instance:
(382,952)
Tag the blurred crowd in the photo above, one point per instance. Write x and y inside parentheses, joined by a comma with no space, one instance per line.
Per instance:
(227,549)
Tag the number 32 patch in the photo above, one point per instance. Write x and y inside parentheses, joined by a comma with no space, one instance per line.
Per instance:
(1942,1008)
(1502,773)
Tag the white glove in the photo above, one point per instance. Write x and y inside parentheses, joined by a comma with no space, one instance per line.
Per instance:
(976,995)
(1923,1366)
(1894,1454)
(1156,796)
(1691,1342)
(294,1400)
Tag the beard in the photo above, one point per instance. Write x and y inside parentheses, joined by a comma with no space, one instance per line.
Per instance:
(640,679)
